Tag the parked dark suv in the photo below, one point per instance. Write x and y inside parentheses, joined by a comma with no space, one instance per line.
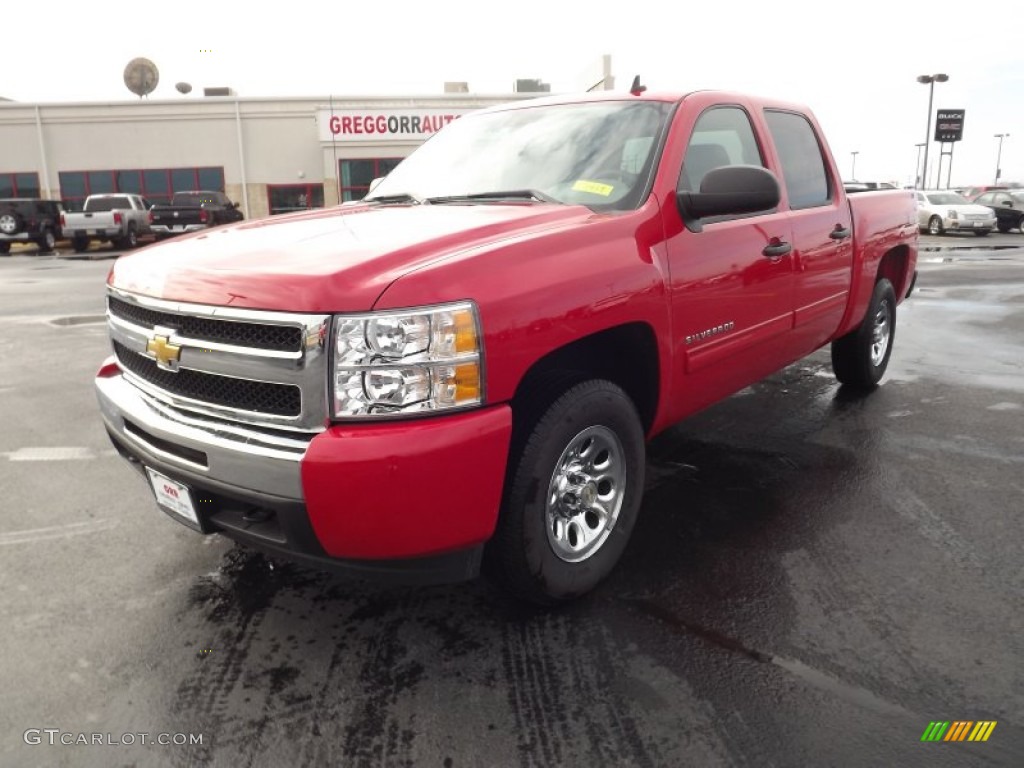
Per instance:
(29,220)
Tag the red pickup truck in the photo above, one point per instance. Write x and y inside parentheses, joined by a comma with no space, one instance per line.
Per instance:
(463,369)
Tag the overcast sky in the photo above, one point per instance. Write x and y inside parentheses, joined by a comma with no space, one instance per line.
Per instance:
(853,63)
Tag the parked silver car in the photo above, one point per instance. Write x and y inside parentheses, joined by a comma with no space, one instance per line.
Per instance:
(941,212)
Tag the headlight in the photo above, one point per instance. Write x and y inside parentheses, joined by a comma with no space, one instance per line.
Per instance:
(951,214)
(407,361)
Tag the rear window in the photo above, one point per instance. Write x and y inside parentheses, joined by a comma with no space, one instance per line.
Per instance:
(803,166)
(95,204)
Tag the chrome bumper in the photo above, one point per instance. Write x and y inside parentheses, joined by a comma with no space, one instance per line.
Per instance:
(254,460)
(177,229)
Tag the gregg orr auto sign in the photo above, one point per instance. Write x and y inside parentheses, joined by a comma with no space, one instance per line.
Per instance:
(384,125)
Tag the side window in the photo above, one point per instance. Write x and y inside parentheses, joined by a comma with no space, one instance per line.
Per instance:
(920,197)
(803,166)
(1002,199)
(985,199)
(722,136)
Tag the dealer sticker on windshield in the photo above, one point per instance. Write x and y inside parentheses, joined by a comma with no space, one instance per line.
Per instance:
(173,496)
(593,187)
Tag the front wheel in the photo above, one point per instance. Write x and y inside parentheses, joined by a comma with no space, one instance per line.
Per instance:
(573,496)
(859,358)
(981,232)
(935,226)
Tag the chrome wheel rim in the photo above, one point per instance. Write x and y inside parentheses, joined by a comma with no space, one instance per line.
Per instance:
(585,494)
(934,226)
(7,224)
(881,332)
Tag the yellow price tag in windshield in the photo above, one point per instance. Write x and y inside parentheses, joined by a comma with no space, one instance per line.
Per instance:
(593,188)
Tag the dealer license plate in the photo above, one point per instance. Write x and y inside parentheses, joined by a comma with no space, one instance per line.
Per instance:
(174,497)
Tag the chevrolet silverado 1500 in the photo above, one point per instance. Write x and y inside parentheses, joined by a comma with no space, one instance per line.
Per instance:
(119,218)
(463,369)
(192,212)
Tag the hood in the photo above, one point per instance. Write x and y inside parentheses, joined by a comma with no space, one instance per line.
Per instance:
(331,260)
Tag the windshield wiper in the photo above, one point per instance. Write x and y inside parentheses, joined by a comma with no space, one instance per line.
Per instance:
(400,197)
(507,194)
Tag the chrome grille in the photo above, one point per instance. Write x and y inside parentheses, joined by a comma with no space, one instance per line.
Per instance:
(243,394)
(261,368)
(260,336)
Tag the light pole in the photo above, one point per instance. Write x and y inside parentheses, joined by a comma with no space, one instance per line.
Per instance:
(930,81)
(853,166)
(999,155)
(917,168)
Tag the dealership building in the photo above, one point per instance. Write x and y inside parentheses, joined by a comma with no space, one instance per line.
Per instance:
(270,155)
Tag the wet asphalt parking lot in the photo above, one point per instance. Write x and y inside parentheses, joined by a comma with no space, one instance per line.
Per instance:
(815,577)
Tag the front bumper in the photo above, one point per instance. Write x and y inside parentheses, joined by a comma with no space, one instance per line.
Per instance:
(410,501)
(971,225)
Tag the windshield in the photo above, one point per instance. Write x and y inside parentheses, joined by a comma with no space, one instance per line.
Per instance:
(948,198)
(594,154)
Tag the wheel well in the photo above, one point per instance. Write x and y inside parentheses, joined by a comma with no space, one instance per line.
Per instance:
(626,355)
(893,267)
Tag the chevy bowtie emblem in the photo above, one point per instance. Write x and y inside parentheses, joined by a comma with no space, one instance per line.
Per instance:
(165,353)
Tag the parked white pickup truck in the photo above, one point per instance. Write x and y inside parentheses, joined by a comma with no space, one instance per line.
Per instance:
(119,218)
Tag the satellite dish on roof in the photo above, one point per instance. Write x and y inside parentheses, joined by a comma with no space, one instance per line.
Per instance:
(184,87)
(141,77)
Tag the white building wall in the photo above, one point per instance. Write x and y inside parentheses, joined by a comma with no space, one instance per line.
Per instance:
(280,138)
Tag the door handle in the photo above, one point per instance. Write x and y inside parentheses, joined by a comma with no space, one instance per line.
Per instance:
(777,249)
(840,233)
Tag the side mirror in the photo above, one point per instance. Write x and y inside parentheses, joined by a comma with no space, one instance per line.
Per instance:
(374,183)
(730,191)
(1008,203)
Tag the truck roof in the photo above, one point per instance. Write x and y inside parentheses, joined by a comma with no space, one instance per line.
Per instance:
(661,96)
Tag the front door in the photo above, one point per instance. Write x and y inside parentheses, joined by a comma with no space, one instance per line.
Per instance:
(731,282)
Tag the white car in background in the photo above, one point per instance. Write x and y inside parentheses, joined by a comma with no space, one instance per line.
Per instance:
(940,212)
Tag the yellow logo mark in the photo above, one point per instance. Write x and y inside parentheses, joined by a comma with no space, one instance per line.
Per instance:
(163,351)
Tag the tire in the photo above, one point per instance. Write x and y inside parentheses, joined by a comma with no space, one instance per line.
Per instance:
(47,242)
(859,358)
(80,244)
(5,247)
(131,237)
(11,222)
(935,226)
(1004,228)
(982,232)
(584,453)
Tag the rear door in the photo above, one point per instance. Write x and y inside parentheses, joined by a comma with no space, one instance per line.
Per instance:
(821,228)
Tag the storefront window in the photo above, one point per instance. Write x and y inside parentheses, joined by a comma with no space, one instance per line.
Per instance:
(156,184)
(19,185)
(295,197)
(356,175)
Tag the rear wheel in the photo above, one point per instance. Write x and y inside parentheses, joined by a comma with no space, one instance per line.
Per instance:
(47,242)
(5,247)
(981,232)
(573,496)
(859,358)
(80,244)
(130,239)
(935,226)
